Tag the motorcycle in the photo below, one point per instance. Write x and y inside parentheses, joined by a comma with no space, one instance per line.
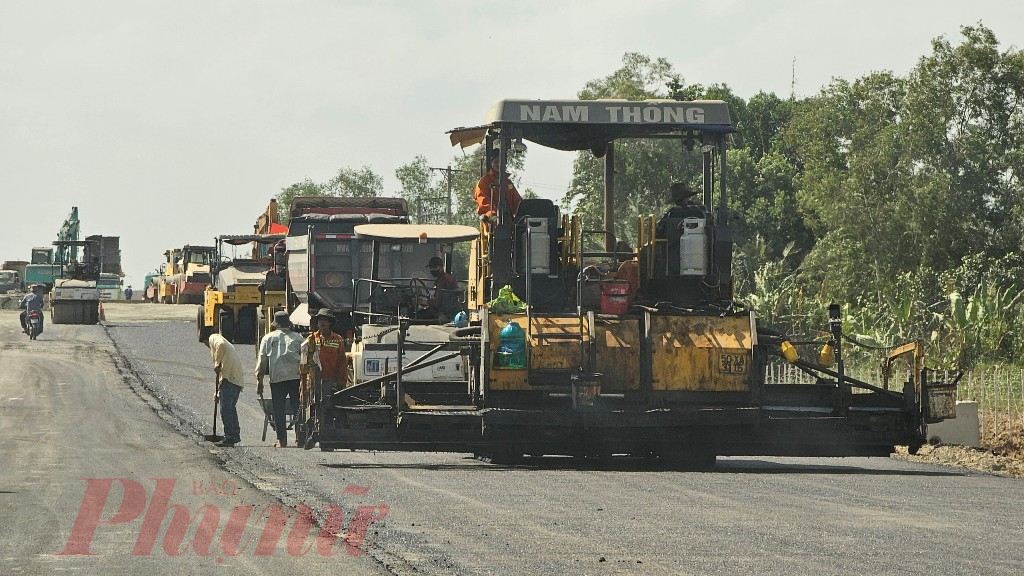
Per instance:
(33,324)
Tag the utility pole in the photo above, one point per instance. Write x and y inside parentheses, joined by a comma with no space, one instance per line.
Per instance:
(792,82)
(449,176)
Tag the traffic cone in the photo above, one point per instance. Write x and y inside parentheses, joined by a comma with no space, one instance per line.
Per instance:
(103,316)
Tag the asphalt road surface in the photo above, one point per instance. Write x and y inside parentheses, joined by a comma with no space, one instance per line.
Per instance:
(132,399)
(81,443)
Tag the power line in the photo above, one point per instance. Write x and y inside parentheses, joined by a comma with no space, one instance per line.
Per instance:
(449,176)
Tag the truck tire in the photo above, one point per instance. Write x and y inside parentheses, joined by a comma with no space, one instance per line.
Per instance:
(245,326)
(226,324)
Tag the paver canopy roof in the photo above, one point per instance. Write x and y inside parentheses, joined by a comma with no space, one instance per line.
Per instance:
(590,124)
(399,233)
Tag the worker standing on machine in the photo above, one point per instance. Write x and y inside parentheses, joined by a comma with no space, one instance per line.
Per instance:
(486,191)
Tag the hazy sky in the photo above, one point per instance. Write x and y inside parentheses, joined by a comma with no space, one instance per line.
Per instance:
(171,122)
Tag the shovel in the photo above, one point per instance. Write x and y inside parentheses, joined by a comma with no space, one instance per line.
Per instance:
(214,437)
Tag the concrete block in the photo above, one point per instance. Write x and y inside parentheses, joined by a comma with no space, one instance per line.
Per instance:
(963,430)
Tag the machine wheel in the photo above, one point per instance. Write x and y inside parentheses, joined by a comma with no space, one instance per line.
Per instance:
(91,312)
(58,314)
(200,320)
(261,325)
(245,326)
(226,324)
(506,456)
(677,458)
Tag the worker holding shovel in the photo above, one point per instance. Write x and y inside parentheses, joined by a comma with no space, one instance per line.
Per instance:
(228,369)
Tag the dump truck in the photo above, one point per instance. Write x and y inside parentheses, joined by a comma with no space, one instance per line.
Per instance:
(323,256)
(558,361)
(186,274)
(18,267)
(232,304)
(275,288)
(10,280)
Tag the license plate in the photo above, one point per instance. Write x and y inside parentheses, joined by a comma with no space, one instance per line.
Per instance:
(732,363)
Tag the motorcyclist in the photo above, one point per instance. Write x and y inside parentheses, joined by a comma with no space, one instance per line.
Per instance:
(32,301)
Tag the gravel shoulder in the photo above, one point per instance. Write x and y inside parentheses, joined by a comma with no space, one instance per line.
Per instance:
(1009,463)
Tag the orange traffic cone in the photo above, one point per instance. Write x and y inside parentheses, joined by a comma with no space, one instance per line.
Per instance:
(103,316)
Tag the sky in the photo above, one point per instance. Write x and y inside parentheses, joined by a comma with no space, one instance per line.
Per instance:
(169,123)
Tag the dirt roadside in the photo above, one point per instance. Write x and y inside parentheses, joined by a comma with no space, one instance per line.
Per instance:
(1003,455)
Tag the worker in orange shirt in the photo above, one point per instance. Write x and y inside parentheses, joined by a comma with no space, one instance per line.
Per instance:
(486,191)
(323,349)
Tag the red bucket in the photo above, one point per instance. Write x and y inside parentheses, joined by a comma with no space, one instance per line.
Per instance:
(614,297)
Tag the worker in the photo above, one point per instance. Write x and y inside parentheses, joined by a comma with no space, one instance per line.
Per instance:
(486,191)
(128,292)
(31,301)
(629,268)
(228,369)
(325,349)
(683,205)
(279,358)
(444,303)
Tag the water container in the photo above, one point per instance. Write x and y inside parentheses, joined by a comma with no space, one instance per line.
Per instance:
(512,346)
(614,297)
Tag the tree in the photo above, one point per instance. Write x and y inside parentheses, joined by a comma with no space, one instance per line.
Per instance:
(965,113)
(426,194)
(305,188)
(855,174)
(348,182)
(353,183)
(644,168)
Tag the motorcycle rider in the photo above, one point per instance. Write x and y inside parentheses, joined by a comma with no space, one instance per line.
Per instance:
(32,301)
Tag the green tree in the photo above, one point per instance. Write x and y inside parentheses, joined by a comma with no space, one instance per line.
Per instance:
(355,183)
(305,188)
(965,111)
(426,193)
(854,181)
(347,182)
(644,168)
